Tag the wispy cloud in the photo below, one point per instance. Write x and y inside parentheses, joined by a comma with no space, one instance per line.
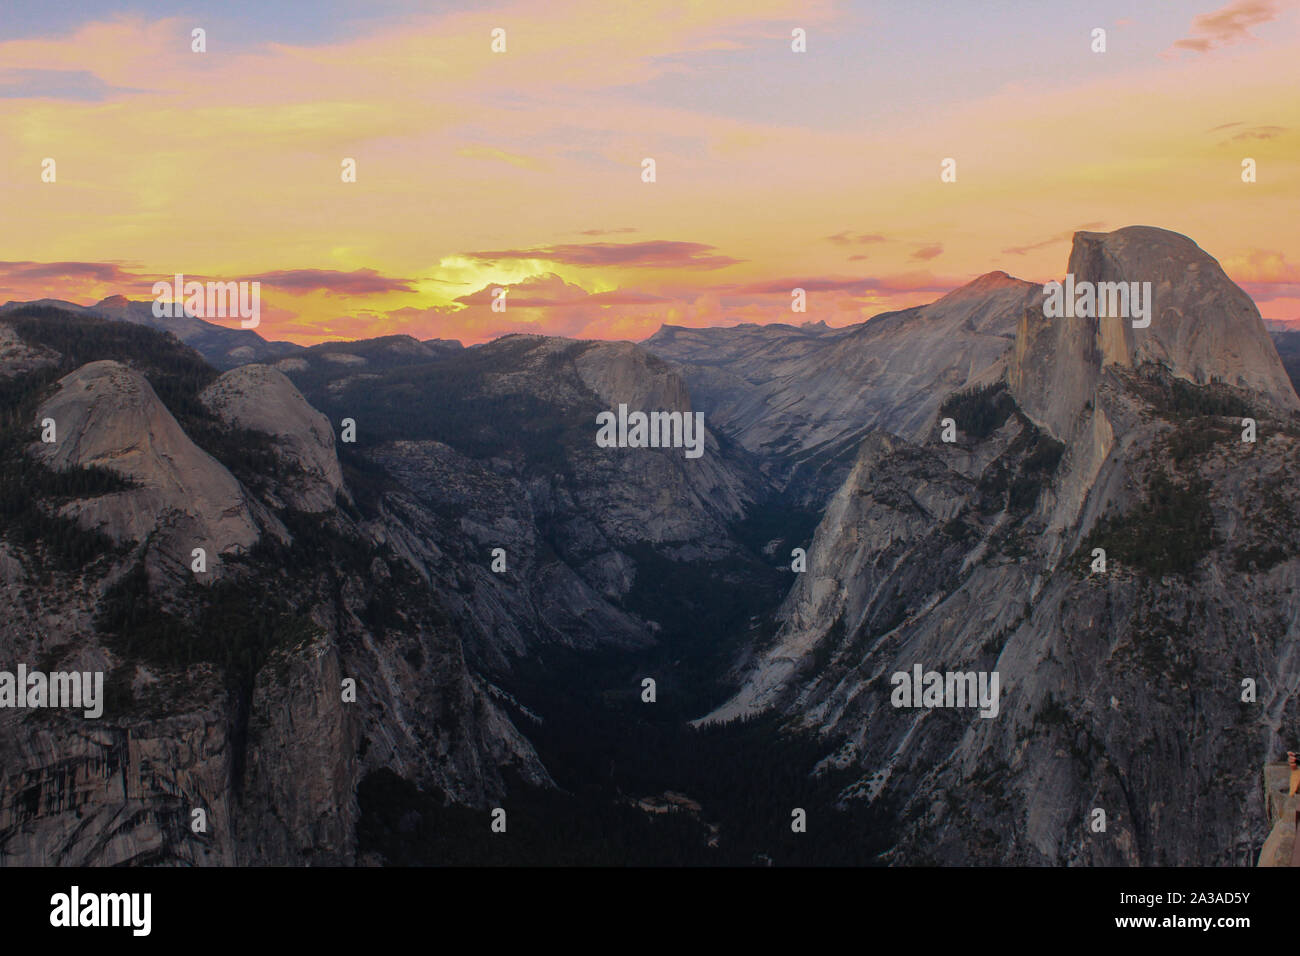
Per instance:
(855,238)
(501,156)
(80,85)
(356,282)
(656,254)
(1227,25)
(1052,241)
(1257,133)
(851,286)
(69,272)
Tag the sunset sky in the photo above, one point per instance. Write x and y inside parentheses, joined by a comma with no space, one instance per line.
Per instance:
(522,169)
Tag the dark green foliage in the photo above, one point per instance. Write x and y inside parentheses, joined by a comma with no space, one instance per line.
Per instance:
(140,628)
(176,372)
(317,545)
(119,698)
(1024,493)
(248,455)
(232,624)
(1169,532)
(746,777)
(958,529)
(1044,454)
(979,412)
(1176,398)
(30,492)
(827,646)
(1288,348)
(1053,714)
(993,644)
(1259,557)
(791,525)
(451,400)
(1042,457)
(1022,472)
(703,607)
(365,479)
(1191,440)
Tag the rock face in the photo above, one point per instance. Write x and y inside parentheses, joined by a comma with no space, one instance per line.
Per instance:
(398,596)
(19,358)
(475,535)
(509,461)
(622,372)
(227,698)
(1203,328)
(263,400)
(1121,689)
(803,398)
(107,415)
(222,345)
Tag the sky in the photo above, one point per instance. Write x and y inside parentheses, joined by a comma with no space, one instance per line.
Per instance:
(523,169)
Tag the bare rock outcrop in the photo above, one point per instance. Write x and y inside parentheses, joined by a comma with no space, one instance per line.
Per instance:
(1203,328)
(262,399)
(804,397)
(106,414)
(1120,687)
(19,358)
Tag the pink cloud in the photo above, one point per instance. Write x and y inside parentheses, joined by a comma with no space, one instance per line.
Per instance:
(356,282)
(67,272)
(659,254)
(1227,25)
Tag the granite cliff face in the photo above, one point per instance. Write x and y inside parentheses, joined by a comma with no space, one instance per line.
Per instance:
(263,400)
(220,345)
(224,689)
(494,448)
(107,415)
(803,398)
(1202,328)
(1121,689)
(235,706)
(474,560)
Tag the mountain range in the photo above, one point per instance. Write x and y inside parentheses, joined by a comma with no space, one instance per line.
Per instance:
(438,525)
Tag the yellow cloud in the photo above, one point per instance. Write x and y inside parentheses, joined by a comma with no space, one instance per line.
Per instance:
(500,155)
